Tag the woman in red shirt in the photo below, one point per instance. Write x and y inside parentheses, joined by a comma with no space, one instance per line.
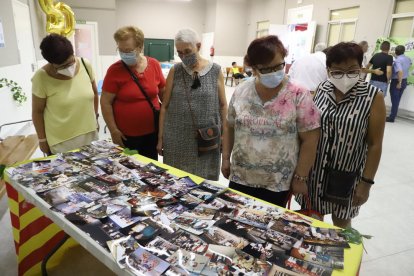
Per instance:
(127,113)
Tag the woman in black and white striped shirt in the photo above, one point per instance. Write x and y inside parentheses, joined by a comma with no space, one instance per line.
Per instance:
(349,149)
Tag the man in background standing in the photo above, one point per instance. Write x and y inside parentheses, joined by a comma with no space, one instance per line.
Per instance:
(400,70)
(382,62)
(310,70)
(364,46)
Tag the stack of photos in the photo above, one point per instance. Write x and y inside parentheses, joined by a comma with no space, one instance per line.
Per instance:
(154,223)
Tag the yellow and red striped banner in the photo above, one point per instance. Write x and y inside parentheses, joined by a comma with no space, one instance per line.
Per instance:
(34,235)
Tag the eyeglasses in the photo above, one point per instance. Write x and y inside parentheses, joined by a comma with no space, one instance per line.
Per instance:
(350,74)
(196,81)
(271,69)
(66,65)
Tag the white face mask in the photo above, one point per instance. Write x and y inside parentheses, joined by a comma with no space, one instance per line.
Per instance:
(345,83)
(69,71)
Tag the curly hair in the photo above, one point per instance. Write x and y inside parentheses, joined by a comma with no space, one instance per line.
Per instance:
(56,49)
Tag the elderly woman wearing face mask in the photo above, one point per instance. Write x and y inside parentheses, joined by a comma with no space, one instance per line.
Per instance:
(194,98)
(349,149)
(273,128)
(128,107)
(65,98)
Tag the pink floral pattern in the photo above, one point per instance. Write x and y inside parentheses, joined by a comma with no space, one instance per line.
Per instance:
(266,144)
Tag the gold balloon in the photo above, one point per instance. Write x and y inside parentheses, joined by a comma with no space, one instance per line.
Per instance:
(60,18)
(70,21)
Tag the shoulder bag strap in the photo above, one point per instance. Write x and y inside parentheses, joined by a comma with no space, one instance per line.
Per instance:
(86,68)
(187,96)
(140,87)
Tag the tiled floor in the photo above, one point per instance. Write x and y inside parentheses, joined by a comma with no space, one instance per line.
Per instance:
(388,215)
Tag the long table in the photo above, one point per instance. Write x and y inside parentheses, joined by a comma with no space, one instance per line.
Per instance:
(28,210)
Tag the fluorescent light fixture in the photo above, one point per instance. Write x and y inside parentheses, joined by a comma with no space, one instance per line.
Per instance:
(335,13)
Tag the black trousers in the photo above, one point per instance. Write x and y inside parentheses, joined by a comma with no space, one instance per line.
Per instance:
(238,76)
(146,145)
(277,198)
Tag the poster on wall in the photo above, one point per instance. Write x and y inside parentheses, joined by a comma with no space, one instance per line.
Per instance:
(2,43)
(408,43)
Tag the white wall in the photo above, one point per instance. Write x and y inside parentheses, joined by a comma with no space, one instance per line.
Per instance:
(373,19)
(161,19)
(10,111)
(210,16)
(231,24)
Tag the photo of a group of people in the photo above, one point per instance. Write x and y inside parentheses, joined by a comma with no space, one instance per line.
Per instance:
(155,223)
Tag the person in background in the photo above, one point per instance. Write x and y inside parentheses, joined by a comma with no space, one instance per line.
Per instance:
(273,128)
(310,70)
(199,83)
(127,113)
(351,138)
(364,45)
(400,71)
(236,72)
(381,62)
(65,98)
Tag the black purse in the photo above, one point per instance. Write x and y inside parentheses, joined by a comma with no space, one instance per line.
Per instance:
(155,111)
(208,138)
(339,184)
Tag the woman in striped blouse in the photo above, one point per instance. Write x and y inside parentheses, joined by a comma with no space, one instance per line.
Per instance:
(349,149)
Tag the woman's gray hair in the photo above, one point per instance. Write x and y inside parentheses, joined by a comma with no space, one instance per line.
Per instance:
(187,36)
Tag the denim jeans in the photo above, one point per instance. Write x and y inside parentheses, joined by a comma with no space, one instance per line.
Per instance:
(396,95)
(381,85)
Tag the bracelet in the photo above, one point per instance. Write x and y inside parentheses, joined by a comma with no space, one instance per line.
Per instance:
(42,140)
(300,178)
(367,180)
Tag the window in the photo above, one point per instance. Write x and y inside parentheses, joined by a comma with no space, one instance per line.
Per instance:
(403,19)
(262,28)
(341,25)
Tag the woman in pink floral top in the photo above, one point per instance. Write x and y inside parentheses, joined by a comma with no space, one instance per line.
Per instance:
(273,129)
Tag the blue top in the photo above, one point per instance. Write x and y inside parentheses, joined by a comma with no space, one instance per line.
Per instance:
(401,63)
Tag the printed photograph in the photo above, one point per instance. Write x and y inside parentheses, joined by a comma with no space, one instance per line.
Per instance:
(57,196)
(193,225)
(142,262)
(218,236)
(123,218)
(248,265)
(161,248)
(189,242)
(202,211)
(190,261)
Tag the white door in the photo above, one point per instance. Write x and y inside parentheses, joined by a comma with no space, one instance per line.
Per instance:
(24,38)
(85,44)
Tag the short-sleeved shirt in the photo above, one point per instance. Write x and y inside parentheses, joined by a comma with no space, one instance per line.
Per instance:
(381,61)
(235,70)
(132,112)
(266,142)
(69,108)
(401,63)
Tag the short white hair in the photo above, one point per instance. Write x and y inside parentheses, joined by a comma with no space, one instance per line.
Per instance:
(320,47)
(187,36)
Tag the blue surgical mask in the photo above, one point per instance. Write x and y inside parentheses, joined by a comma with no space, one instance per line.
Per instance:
(129,58)
(272,80)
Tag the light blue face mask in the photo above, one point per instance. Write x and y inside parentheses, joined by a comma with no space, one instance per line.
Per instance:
(129,58)
(272,80)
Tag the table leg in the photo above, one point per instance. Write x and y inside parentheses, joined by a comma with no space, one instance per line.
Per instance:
(53,251)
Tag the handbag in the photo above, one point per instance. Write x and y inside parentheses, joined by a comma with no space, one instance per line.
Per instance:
(339,184)
(156,112)
(306,212)
(208,138)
